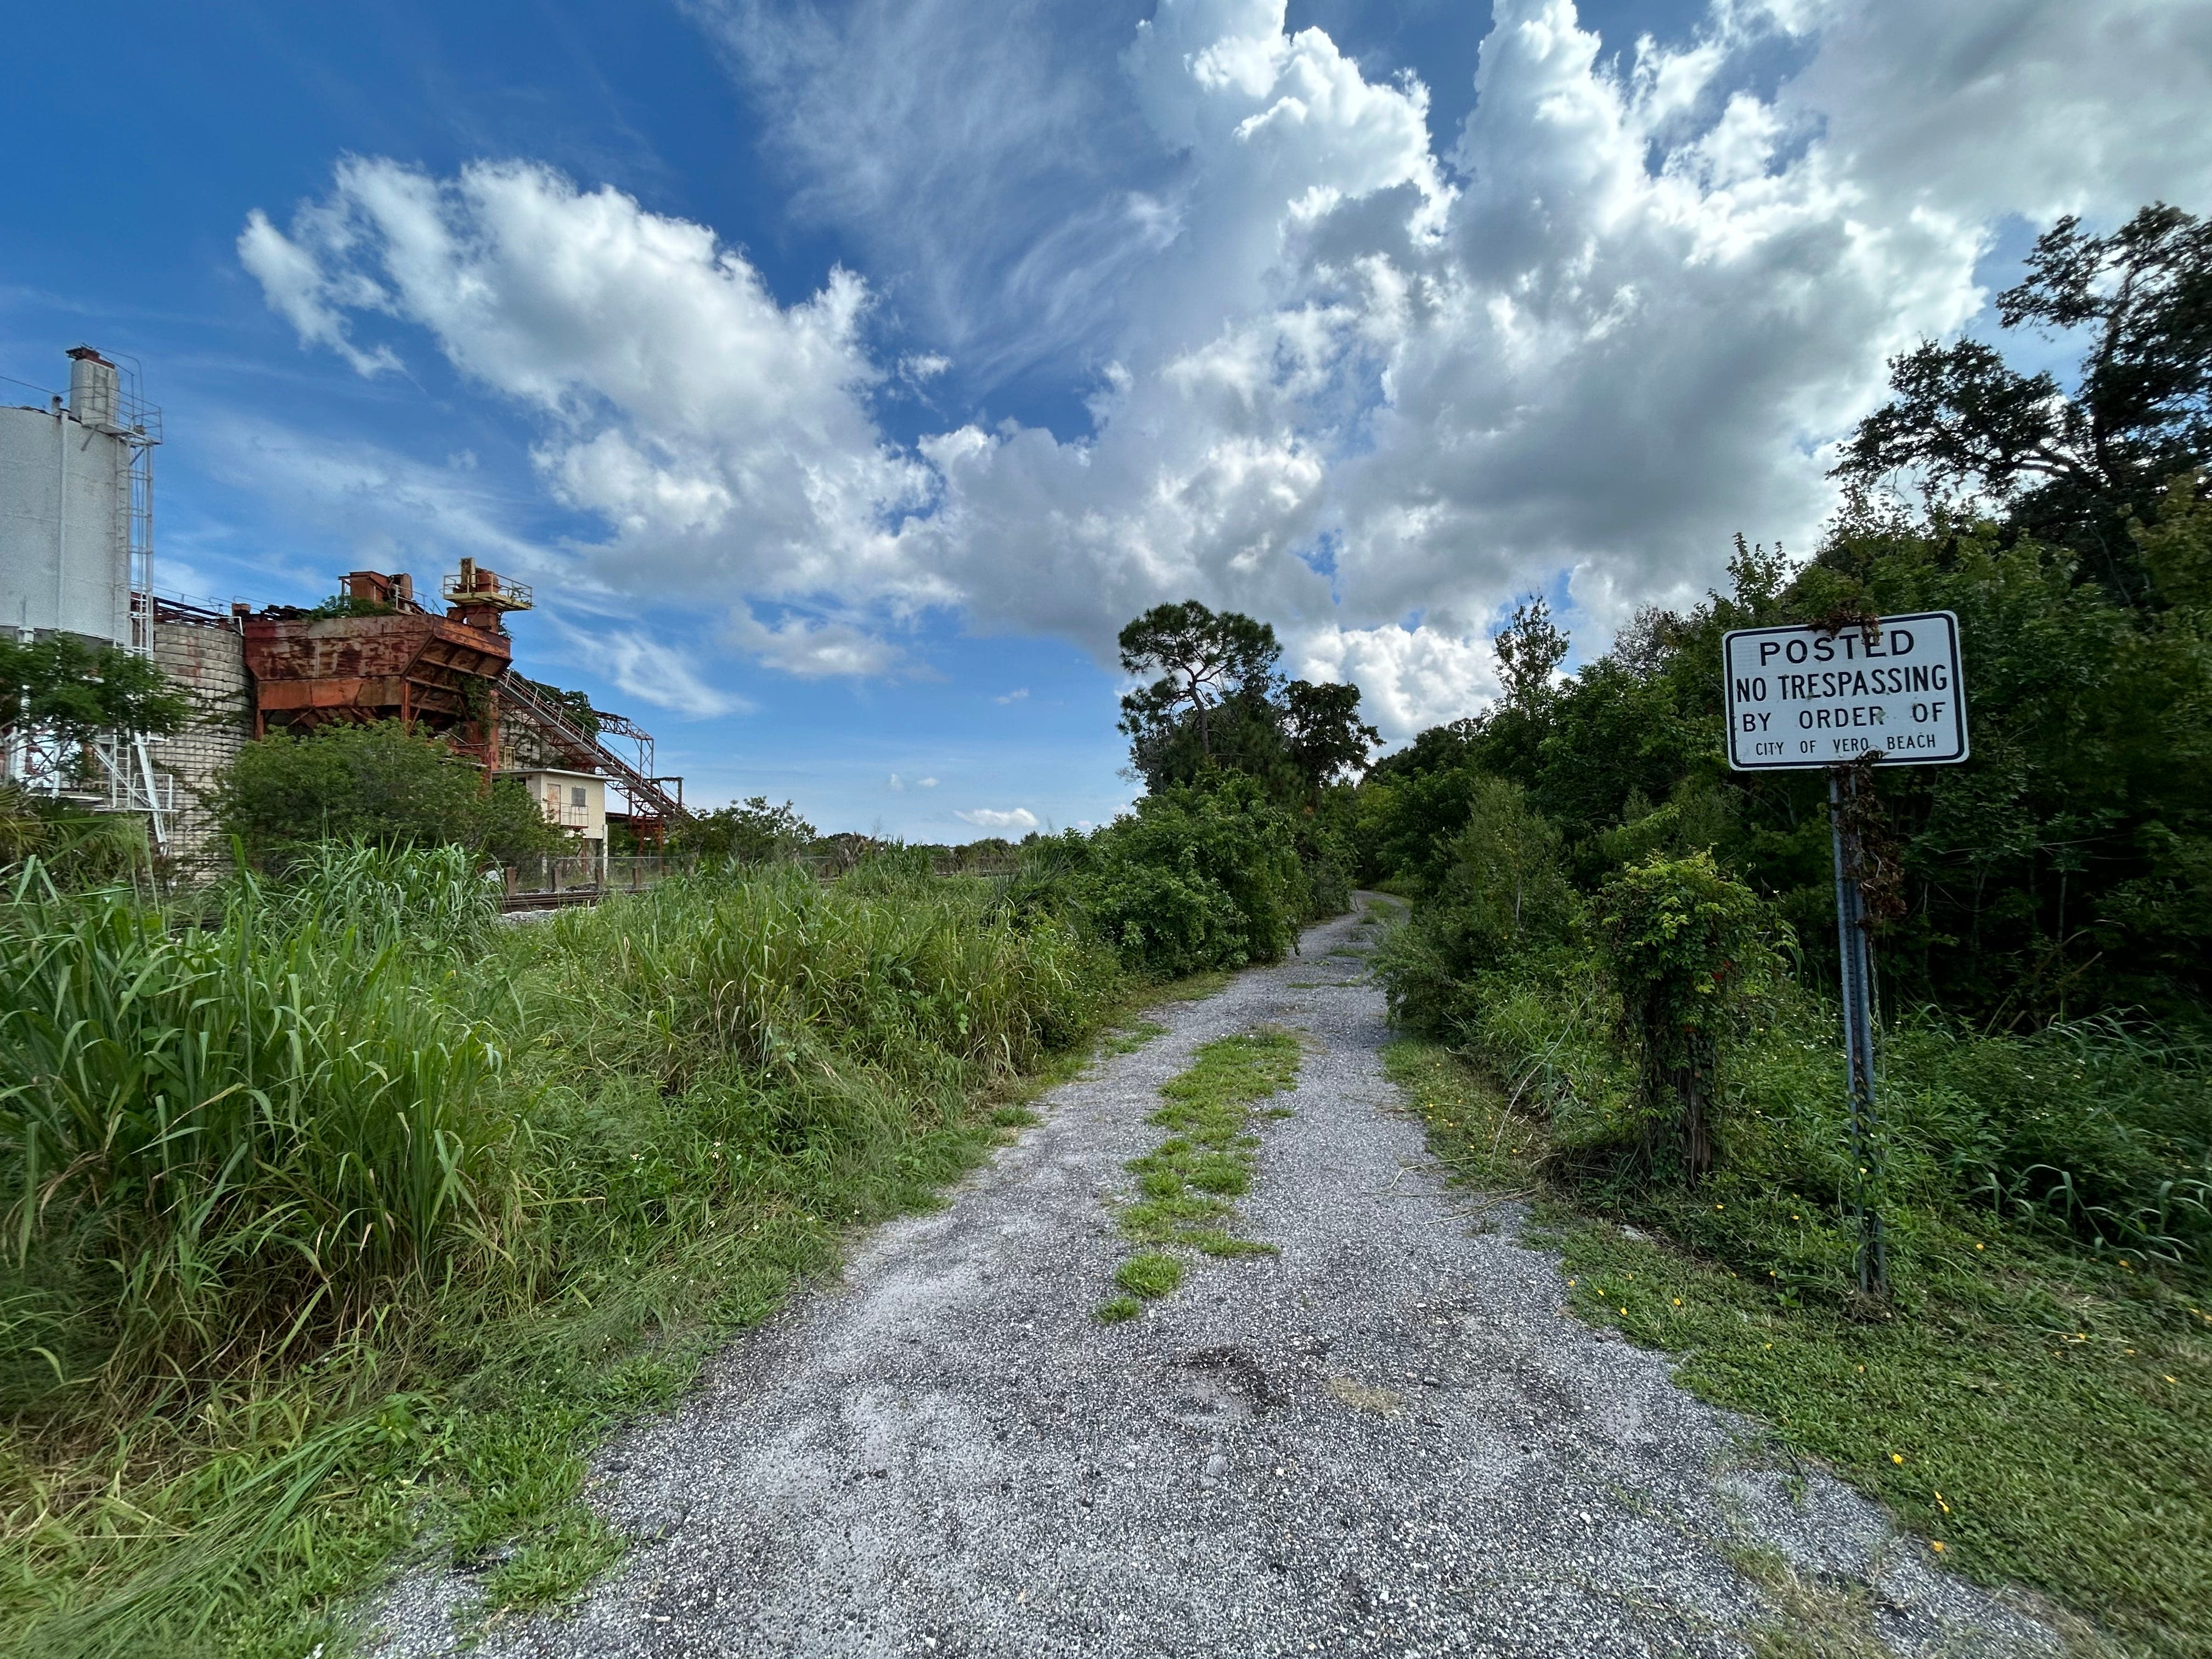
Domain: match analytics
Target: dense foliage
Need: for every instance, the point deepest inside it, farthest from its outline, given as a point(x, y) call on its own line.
point(1626, 931)
point(752, 832)
point(353, 1210)
point(74, 689)
point(1192, 878)
point(2067, 867)
point(384, 783)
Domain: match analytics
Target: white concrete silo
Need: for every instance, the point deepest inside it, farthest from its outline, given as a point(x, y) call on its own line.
point(76, 556)
point(73, 505)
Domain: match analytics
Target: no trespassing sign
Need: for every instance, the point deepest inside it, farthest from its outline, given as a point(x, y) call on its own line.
point(1800, 697)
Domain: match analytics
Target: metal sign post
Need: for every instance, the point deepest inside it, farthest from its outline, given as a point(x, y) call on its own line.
point(1844, 696)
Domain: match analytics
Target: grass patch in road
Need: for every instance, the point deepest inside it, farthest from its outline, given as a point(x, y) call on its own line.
point(1150, 1274)
point(1119, 1309)
point(1187, 1185)
point(1129, 1038)
point(2045, 1416)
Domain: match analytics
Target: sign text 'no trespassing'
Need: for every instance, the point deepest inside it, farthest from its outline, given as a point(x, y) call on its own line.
point(1797, 696)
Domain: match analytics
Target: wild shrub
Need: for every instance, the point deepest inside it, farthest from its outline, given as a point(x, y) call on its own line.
point(1196, 877)
point(1681, 944)
point(384, 783)
point(1499, 895)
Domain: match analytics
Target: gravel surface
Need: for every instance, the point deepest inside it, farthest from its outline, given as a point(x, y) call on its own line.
point(1390, 1438)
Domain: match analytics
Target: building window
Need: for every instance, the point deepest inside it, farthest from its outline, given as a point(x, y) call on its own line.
point(576, 795)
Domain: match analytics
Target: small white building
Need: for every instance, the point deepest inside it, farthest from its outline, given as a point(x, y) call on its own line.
point(577, 801)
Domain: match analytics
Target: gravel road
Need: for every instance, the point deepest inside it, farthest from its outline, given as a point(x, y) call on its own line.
point(1390, 1438)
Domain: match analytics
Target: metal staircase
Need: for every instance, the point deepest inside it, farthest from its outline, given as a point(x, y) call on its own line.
point(555, 724)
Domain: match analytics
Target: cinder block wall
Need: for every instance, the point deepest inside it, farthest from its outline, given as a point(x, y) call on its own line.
point(208, 659)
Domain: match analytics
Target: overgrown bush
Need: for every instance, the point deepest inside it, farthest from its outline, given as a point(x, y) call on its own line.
point(1500, 896)
point(1681, 943)
point(2092, 1131)
point(283, 796)
point(1195, 878)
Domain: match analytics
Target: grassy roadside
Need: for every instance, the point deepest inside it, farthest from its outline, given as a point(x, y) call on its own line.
point(1187, 1186)
point(704, 1091)
point(2040, 1417)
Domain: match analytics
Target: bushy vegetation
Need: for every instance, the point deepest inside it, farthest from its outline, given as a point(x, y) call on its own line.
point(344, 1215)
point(1242, 837)
point(750, 832)
point(383, 783)
point(1193, 878)
point(1634, 949)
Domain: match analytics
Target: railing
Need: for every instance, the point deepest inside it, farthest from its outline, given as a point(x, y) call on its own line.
point(587, 753)
point(556, 881)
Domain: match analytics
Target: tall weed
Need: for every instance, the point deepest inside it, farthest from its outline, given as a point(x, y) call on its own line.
point(218, 1143)
point(348, 1202)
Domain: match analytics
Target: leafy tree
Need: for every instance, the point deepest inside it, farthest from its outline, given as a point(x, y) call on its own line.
point(1530, 649)
point(2072, 467)
point(1203, 658)
point(1221, 707)
point(752, 833)
point(1323, 735)
point(384, 783)
point(76, 690)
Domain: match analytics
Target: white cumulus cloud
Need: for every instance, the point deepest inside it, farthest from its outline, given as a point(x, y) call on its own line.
point(1366, 385)
point(812, 648)
point(990, 817)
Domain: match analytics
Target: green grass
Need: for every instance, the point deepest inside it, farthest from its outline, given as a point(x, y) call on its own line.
point(491, 1192)
point(1187, 1186)
point(1118, 1309)
point(1127, 1039)
point(2042, 1412)
point(1150, 1274)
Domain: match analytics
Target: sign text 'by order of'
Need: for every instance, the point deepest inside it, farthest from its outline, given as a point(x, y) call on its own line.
point(1798, 696)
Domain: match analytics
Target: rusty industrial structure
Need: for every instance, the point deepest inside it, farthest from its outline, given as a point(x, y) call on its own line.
point(378, 653)
point(381, 654)
point(77, 557)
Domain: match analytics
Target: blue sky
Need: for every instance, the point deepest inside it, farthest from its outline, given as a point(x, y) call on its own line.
point(842, 375)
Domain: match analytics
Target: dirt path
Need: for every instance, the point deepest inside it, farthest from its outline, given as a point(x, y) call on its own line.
point(1390, 1438)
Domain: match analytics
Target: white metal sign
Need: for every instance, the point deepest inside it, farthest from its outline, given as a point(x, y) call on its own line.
point(1799, 697)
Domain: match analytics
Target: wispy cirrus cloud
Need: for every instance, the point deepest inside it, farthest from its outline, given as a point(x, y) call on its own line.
point(651, 669)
